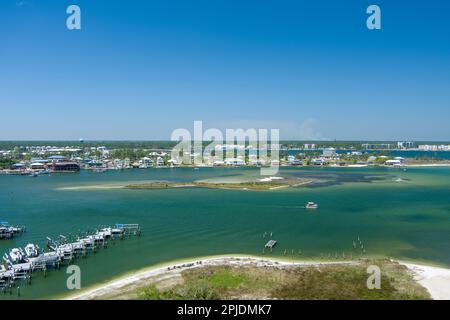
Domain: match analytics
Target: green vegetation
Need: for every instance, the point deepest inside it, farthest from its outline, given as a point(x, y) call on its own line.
point(318, 282)
point(6, 163)
point(200, 291)
point(256, 185)
point(127, 153)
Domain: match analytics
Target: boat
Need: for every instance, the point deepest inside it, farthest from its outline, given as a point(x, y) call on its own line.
point(106, 232)
point(16, 255)
point(117, 231)
point(16, 229)
point(65, 251)
point(6, 232)
point(311, 205)
point(88, 242)
point(31, 250)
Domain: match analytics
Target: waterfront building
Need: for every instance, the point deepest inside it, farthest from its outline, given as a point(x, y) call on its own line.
point(65, 167)
point(394, 162)
point(37, 166)
point(317, 162)
point(309, 146)
point(377, 146)
point(173, 162)
point(405, 145)
point(160, 162)
point(371, 160)
point(329, 152)
point(427, 147)
point(294, 161)
point(234, 162)
point(57, 158)
point(18, 166)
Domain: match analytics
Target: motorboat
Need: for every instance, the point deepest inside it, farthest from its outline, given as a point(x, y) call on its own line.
point(16, 255)
point(311, 205)
point(31, 250)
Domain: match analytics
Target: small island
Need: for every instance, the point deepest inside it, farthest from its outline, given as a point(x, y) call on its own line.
point(258, 185)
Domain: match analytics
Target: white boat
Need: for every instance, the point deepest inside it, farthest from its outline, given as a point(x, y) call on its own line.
point(105, 232)
point(99, 237)
point(117, 231)
point(77, 246)
point(46, 258)
point(16, 255)
point(31, 250)
point(311, 205)
point(87, 242)
point(65, 250)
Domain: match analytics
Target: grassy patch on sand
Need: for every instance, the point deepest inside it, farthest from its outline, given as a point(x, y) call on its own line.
point(249, 185)
point(241, 185)
point(315, 282)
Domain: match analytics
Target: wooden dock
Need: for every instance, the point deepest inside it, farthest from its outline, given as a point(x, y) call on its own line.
point(8, 232)
point(61, 250)
point(270, 244)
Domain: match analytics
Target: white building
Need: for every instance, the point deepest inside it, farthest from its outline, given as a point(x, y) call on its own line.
point(173, 162)
point(160, 162)
point(37, 166)
point(309, 146)
point(318, 161)
point(234, 162)
point(294, 161)
point(329, 152)
point(405, 145)
point(393, 162)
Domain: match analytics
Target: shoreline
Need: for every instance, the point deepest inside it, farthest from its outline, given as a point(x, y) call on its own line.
point(353, 166)
point(435, 279)
point(121, 281)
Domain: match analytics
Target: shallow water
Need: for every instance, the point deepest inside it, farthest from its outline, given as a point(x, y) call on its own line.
point(403, 214)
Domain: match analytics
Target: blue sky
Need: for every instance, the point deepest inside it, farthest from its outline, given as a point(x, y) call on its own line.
point(140, 69)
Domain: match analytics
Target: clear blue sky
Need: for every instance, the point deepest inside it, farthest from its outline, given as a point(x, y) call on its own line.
point(139, 69)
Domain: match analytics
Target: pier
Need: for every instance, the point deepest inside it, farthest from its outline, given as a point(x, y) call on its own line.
point(19, 264)
point(270, 244)
point(8, 232)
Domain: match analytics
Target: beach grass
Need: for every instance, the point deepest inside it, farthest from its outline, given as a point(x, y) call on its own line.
point(325, 282)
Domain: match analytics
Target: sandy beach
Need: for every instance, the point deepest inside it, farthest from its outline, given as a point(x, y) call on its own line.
point(435, 279)
point(171, 271)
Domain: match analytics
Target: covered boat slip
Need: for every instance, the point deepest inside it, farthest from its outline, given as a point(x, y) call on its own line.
point(8, 232)
point(21, 263)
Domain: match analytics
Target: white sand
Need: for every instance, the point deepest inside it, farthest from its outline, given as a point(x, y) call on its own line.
point(436, 280)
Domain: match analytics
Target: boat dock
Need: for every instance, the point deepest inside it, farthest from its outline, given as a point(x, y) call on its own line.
point(8, 232)
point(270, 244)
point(20, 264)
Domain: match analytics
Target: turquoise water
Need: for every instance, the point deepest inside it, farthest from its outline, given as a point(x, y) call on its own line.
point(403, 214)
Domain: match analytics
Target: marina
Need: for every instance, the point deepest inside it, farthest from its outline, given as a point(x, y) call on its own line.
point(20, 263)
